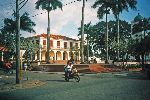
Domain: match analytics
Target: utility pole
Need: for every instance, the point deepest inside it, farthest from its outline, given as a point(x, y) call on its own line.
point(18, 38)
point(82, 33)
point(17, 43)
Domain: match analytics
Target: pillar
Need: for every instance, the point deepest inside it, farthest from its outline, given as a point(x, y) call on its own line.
point(61, 55)
point(55, 54)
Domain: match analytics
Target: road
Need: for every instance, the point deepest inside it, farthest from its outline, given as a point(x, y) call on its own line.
point(101, 86)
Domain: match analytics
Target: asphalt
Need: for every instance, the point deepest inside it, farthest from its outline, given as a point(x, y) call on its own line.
point(93, 86)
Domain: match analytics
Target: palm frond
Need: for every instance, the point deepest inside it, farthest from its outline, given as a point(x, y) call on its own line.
point(48, 4)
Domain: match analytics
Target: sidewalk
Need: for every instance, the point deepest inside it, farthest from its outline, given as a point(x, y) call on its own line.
point(8, 83)
point(30, 80)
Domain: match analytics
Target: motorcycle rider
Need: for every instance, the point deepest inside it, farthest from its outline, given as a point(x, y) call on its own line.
point(68, 68)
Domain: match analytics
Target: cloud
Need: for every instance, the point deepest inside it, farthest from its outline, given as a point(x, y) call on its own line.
point(71, 13)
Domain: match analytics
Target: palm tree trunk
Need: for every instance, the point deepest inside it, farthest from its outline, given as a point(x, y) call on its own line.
point(142, 56)
point(17, 43)
point(87, 48)
point(106, 38)
point(82, 34)
point(48, 39)
point(118, 36)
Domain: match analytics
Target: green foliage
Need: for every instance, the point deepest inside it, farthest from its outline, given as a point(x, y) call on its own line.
point(30, 46)
point(141, 25)
point(140, 44)
point(130, 66)
point(48, 4)
point(96, 38)
point(116, 6)
point(8, 32)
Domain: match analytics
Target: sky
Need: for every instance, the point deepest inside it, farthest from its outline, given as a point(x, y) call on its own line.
point(67, 21)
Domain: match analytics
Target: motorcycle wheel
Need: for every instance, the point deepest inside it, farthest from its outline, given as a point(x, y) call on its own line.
point(67, 79)
point(77, 78)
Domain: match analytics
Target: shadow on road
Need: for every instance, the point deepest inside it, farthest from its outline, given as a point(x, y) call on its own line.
point(56, 80)
point(132, 75)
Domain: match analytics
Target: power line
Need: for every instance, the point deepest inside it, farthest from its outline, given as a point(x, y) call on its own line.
point(63, 5)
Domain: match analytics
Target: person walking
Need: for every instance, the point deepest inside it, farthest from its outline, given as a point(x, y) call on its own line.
point(25, 67)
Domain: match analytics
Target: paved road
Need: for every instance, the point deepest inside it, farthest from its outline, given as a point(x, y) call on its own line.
point(106, 86)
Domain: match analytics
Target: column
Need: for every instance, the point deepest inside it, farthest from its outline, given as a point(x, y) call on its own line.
point(55, 54)
point(40, 55)
point(68, 58)
point(61, 55)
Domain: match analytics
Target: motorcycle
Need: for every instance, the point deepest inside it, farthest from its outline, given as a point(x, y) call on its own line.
point(73, 75)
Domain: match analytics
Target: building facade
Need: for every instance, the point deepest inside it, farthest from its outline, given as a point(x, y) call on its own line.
point(61, 47)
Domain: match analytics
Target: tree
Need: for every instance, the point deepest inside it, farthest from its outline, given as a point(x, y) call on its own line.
point(94, 38)
point(104, 8)
point(141, 36)
point(124, 37)
point(48, 5)
point(117, 7)
point(87, 31)
point(8, 32)
point(142, 25)
point(30, 46)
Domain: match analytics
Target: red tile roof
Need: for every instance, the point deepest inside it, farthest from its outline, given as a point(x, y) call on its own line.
point(55, 37)
point(3, 49)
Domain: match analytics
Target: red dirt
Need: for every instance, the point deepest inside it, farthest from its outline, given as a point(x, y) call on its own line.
point(100, 68)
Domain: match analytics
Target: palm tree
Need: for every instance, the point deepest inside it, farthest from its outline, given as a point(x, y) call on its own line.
point(104, 8)
point(117, 7)
point(48, 5)
point(9, 30)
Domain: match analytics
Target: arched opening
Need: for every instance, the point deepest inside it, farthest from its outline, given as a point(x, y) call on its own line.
point(65, 55)
point(52, 55)
point(58, 55)
point(71, 55)
point(43, 55)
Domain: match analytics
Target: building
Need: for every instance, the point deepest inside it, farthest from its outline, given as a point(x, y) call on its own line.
point(140, 34)
point(61, 47)
point(2, 50)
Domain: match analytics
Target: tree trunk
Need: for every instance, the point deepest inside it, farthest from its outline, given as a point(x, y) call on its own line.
point(142, 56)
point(118, 37)
point(48, 40)
point(82, 34)
point(106, 38)
point(87, 48)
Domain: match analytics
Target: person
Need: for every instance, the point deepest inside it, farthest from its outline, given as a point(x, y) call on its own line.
point(53, 60)
point(68, 68)
point(94, 61)
point(25, 67)
point(72, 60)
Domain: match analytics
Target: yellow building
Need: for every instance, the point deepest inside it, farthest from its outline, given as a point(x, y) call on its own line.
point(61, 47)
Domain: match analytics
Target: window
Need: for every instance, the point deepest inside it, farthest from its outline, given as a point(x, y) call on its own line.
point(71, 45)
point(51, 43)
point(58, 44)
point(65, 45)
point(44, 42)
point(76, 45)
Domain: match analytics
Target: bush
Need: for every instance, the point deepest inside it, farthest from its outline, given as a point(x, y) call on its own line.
point(133, 66)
